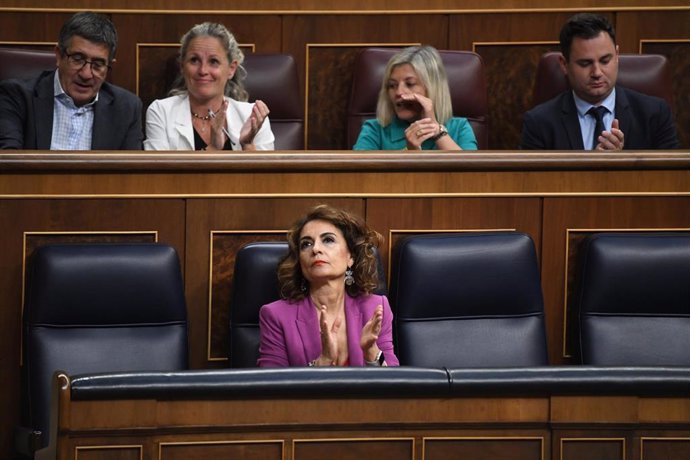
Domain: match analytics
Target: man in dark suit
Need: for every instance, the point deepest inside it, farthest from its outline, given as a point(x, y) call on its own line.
point(73, 107)
point(596, 114)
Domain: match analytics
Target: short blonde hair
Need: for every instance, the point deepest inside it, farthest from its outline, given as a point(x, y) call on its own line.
point(427, 63)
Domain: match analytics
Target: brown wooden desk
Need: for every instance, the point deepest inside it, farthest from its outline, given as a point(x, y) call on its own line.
point(207, 206)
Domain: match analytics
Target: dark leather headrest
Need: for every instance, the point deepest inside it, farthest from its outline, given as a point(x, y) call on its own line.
point(479, 274)
point(104, 284)
point(645, 73)
point(22, 63)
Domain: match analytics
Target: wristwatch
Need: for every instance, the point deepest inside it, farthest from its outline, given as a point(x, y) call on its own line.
point(442, 131)
point(378, 361)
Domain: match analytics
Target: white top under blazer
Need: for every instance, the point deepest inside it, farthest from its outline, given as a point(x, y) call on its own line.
point(169, 125)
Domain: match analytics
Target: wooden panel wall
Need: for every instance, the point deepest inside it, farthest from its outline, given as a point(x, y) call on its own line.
point(324, 40)
point(207, 206)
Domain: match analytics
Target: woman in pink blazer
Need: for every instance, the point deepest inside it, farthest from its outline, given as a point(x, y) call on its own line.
point(328, 315)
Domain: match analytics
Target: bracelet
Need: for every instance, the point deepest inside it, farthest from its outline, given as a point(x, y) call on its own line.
point(378, 361)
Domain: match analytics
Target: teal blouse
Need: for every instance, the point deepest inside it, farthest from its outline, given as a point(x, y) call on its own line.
point(375, 137)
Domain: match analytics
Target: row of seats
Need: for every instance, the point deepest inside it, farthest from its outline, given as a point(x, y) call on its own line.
point(464, 300)
point(273, 79)
point(475, 300)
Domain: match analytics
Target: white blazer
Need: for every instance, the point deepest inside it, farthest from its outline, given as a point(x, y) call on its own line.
point(169, 125)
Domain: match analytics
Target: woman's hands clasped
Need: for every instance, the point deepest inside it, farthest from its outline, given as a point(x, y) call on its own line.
point(329, 337)
point(419, 131)
point(424, 128)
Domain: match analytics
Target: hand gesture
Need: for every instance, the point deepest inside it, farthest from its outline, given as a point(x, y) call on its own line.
point(426, 105)
point(611, 140)
point(329, 339)
point(218, 136)
point(419, 131)
point(370, 334)
point(253, 124)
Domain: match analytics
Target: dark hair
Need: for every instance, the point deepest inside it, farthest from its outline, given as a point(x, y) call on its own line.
point(361, 242)
point(234, 87)
point(93, 27)
point(584, 25)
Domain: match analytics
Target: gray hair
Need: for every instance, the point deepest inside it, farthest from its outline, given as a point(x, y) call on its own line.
point(93, 27)
point(234, 87)
point(428, 65)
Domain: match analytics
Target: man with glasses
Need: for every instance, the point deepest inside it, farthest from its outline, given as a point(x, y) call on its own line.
point(73, 107)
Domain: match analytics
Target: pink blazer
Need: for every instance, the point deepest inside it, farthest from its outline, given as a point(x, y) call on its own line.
point(289, 332)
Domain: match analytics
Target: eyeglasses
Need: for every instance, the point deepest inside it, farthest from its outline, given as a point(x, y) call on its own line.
point(77, 61)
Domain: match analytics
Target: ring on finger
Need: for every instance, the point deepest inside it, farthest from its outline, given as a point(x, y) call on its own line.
point(419, 132)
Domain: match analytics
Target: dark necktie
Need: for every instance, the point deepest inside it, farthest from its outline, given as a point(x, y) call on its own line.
point(598, 114)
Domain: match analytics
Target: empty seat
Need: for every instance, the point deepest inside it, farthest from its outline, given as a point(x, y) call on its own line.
point(98, 308)
point(468, 300)
point(633, 299)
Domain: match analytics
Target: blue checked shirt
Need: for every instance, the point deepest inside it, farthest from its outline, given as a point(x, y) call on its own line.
point(72, 125)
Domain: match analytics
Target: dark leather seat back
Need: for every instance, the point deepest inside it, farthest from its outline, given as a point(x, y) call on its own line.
point(255, 283)
point(100, 308)
point(23, 63)
point(633, 299)
point(272, 78)
point(645, 73)
point(468, 300)
point(465, 71)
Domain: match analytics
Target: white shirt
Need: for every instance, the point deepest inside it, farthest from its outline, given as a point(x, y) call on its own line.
point(169, 125)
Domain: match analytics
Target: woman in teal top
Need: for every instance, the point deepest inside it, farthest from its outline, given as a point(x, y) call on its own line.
point(414, 110)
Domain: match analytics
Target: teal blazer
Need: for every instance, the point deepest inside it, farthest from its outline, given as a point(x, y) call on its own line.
point(392, 137)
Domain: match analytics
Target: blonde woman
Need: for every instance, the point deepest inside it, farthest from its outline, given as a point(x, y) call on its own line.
point(414, 110)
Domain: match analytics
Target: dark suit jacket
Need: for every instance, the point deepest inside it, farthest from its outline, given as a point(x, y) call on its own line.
point(26, 116)
point(646, 122)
